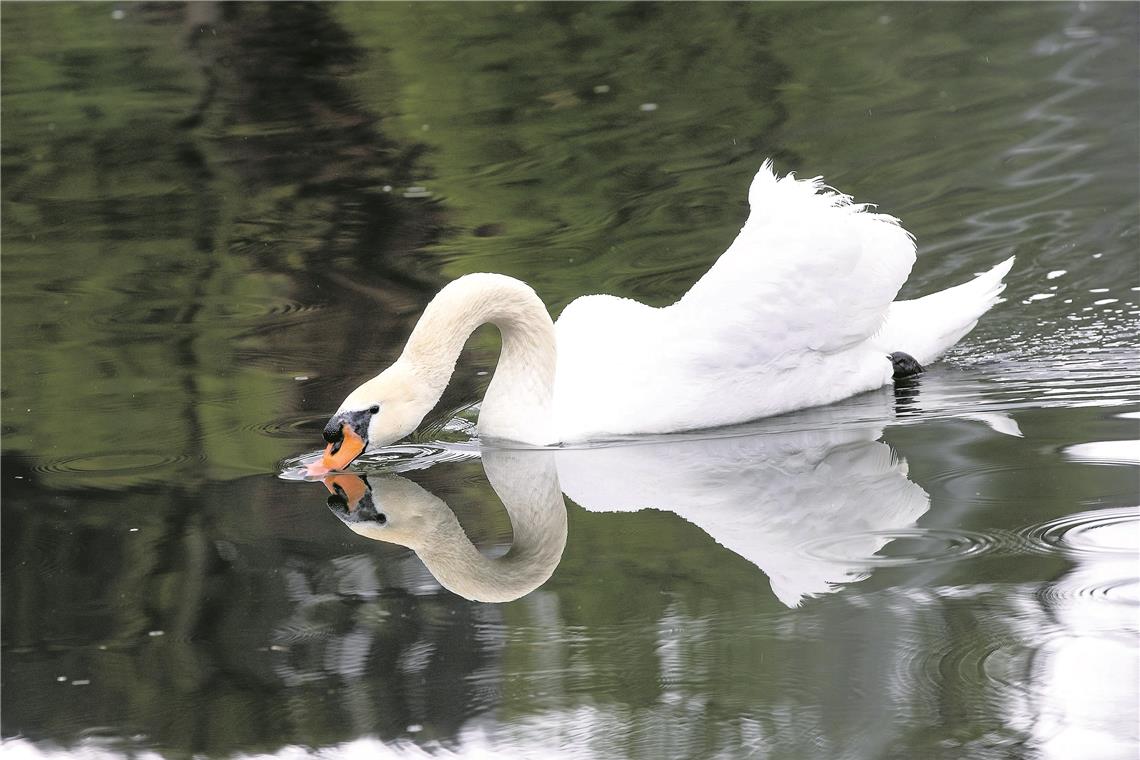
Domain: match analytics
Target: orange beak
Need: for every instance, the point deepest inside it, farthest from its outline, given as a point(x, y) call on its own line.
point(338, 458)
point(352, 487)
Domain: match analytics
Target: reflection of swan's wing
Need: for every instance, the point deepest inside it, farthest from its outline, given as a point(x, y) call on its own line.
point(693, 474)
point(761, 496)
point(809, 270)
point(858, 488)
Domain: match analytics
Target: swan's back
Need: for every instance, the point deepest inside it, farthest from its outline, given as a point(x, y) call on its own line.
point(780, 322)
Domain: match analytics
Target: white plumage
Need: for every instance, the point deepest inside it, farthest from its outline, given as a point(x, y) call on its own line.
point(798, 312)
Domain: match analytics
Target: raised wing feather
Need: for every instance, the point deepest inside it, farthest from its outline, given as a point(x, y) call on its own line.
point(809, 271)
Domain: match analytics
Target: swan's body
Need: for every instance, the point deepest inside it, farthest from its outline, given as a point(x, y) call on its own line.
point(798, 312)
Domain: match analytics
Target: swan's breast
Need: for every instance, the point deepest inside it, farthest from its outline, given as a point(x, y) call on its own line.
point(614, 360)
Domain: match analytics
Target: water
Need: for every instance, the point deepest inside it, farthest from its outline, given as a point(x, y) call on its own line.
point(217, 219)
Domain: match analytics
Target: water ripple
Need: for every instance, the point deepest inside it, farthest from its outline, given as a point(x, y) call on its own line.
point(291, 426)
point(129, 464)
point(1122, 589)
point(904, 546)
point(154, 314)
point(1104, 533)
point(400, 458)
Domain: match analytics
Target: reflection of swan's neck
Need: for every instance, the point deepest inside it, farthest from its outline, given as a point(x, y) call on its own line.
point(528, 488)
point(519, 399)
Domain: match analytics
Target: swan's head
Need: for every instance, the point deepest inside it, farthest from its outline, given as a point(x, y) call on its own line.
point(381, 411)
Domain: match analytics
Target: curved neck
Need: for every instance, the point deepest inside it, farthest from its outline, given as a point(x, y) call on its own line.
point(526, 483)
point(519, 400)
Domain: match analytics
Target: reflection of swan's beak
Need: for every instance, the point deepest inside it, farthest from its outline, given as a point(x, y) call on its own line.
point(338, 455)
point(346, 491)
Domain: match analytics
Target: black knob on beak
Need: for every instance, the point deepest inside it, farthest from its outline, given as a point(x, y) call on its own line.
point(338, 500)
point(332, 432)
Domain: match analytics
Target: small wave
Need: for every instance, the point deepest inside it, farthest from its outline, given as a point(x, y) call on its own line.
point(1103, 533)
point(1124, 589)
point(291, 426)
point(150, 313)
point(906, 546)
point(111, 466)
point(390, 459)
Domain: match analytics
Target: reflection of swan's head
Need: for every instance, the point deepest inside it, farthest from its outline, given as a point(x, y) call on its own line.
point(381, 411)
point(396, 510)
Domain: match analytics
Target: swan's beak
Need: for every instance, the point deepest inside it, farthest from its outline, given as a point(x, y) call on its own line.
point(347, 490)
point(338, 455)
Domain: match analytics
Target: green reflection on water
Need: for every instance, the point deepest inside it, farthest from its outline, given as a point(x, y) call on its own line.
point(202, 204)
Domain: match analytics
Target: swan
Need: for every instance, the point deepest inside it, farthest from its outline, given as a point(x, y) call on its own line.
point(798, 312)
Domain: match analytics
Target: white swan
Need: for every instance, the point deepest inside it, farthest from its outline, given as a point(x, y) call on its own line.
point(796, 313)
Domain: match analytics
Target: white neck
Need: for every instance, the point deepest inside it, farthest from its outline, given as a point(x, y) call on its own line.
point(519, 401)
point(527, 484)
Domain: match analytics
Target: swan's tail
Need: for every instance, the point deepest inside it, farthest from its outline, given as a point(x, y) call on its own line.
point(926, 327)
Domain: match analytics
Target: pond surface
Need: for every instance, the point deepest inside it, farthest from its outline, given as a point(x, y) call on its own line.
point(218, 219)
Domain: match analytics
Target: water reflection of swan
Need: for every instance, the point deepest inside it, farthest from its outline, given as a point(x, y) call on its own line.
point(762, 494)
point(798, 312)
point(396, 510)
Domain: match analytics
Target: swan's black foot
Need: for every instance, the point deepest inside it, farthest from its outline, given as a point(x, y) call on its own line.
point(904, 365)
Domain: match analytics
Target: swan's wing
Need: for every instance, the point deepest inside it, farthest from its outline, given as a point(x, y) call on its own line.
point(810, 270)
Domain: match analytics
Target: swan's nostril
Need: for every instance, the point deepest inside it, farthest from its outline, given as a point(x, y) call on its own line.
point(332, 432)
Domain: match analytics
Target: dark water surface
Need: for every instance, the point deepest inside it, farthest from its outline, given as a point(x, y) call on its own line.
point(217, 219)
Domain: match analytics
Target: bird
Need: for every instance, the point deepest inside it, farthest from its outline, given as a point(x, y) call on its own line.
point(798, 312)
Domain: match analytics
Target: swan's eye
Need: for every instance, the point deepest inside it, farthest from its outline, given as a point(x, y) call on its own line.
point(381, 518)
point(373, 409)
